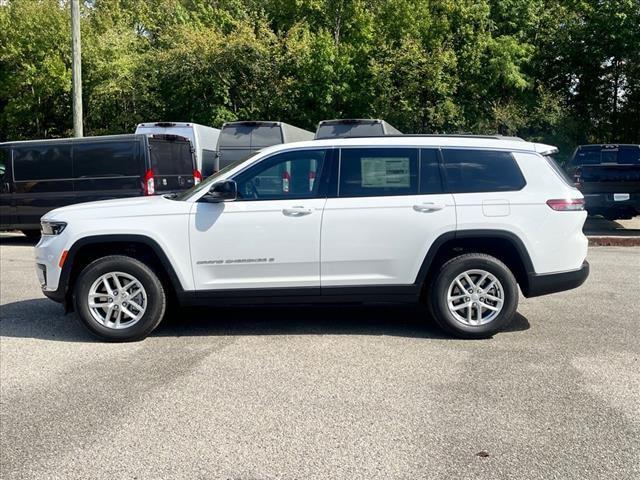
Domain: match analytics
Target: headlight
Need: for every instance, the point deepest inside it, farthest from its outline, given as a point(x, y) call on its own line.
point(52, 228)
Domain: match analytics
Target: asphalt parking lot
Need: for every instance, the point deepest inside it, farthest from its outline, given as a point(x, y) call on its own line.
point(353, 393)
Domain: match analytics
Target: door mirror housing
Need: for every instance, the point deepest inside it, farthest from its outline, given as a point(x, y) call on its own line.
point(224, 191)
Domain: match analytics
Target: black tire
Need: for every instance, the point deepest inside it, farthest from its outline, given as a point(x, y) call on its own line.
point(437, 295)
point(156, 298)
point(32, 235)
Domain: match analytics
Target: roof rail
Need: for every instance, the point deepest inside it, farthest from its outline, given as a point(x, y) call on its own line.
point(446, 135)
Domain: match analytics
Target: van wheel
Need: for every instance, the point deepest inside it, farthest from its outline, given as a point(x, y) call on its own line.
point(473, 296)
point(119, 299)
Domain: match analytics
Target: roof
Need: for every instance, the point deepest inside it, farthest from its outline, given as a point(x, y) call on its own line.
point(126, 136)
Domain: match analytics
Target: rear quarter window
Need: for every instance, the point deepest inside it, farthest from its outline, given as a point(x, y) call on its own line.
point(470, 171)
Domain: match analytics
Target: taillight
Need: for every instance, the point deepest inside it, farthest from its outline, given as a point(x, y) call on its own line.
point(567, 205)
point(148, 184)
point(197, 177)
point(577, 180)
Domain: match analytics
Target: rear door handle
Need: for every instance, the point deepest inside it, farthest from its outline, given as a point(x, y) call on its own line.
point(428, 207)
point(296, 211)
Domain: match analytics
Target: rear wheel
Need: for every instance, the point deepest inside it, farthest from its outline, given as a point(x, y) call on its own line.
point(473, 296)
point(119, 298)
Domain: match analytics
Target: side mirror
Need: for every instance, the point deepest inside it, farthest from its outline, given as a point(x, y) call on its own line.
point(224, 191)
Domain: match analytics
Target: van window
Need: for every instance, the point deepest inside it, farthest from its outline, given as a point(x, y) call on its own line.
point(42, 162)
point(106, 159)
point(4, 161)
point(470, 171)
point(171, 157)
point(430, 178)
point(208, 162)
point(370, 172)
point(288, 175)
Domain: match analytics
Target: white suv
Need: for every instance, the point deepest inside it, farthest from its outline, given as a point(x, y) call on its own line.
point(454, 222)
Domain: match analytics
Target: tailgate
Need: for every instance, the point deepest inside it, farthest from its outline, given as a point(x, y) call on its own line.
point(610, 178)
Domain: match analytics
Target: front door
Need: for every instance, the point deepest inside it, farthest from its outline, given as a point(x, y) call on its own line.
point(270, 236)
point(390, 207)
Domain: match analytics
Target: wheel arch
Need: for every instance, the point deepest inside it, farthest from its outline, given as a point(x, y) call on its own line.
point(141, 247)
point(502, 244)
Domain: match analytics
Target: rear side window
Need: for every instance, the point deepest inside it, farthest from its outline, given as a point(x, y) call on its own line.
point(42, 162)
point(469, 171)
point(106, 159)
point(171, 157)
point(369, 172)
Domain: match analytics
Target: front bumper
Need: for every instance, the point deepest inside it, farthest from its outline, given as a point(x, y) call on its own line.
point(555, 282)
point(47, 254)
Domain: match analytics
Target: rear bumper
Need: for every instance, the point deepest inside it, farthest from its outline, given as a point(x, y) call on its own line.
point(555, 282)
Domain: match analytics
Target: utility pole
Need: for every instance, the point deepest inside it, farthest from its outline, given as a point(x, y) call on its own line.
point(76, 68)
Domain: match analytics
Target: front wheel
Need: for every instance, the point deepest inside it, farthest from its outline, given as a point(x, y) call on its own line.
point(473, 296)
point(119, 298)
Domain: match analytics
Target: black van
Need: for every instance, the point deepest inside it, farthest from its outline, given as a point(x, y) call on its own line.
point(40, 175)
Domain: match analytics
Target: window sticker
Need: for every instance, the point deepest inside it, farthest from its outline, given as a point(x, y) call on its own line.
point(389, 172)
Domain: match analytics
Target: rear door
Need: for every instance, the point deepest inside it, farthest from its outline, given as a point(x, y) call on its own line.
point(43, 176)
point(172, 163)
point(389, 209)
point(107, 169)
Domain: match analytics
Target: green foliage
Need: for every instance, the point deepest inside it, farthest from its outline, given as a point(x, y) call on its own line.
point(558, 71)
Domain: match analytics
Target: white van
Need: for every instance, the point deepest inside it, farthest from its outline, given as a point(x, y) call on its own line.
point(203, 139)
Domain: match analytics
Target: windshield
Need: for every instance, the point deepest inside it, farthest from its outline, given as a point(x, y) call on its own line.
point(206, 184)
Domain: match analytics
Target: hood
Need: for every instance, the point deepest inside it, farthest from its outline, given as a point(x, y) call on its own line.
point(123, 207)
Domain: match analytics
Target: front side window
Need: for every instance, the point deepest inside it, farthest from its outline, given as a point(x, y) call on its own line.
point(373, 172)
point(105, 159)
point(288, 175)
point(42, 162)
point(469, 171)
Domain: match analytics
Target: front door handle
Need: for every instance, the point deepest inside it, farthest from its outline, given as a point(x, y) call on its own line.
point(428, 207)
point(297, 211)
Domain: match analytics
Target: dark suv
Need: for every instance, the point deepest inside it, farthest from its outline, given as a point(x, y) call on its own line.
point(40, 175)
point(609, 178)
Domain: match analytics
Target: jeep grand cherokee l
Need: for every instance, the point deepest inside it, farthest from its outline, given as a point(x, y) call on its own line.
point(456, 223)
